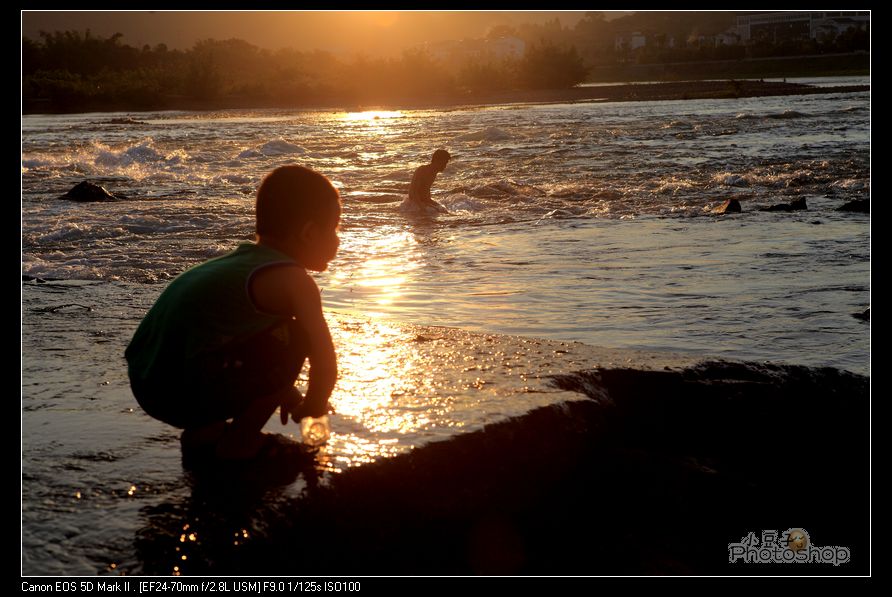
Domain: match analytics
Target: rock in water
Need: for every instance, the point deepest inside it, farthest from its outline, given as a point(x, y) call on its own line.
point(862, 316)
point(797, 204)
point(731, 206)
point(861, 206)
point(89, 192)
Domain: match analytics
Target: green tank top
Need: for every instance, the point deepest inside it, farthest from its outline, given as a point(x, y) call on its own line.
point(203, 309)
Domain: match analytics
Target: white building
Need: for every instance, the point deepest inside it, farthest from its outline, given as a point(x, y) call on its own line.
point(630, 41)
point(727, 38)
point(775, 26)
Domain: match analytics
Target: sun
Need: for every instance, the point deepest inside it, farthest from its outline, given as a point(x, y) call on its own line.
point(384, 18)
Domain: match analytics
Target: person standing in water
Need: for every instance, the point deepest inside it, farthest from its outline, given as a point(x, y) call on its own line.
point(423, 179)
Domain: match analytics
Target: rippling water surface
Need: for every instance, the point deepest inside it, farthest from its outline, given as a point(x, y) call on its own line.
point(585, 222)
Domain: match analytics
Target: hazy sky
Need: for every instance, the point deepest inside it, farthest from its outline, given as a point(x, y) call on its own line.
point(381, 32)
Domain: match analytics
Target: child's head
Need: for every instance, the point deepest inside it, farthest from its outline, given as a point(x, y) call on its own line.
point(299, 210)
point(440, 159)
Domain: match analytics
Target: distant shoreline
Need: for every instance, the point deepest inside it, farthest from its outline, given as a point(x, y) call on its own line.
point(629, 92)
point(681, 90)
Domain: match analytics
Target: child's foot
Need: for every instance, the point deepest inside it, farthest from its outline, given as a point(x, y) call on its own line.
point(230, 447)
point(266, 446)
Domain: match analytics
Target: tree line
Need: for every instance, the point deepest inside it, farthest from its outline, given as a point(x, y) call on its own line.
point(74, 71)
point(70, 71)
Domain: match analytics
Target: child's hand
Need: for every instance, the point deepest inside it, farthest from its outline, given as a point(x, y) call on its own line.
point(307, 410)
point(290, 405)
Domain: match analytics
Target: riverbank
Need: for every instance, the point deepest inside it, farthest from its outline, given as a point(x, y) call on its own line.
point(678, 90)
point(834, 65)
point(681, 90)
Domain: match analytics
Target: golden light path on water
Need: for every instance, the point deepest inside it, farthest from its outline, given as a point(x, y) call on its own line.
point(388, 258)
point(386, 392)
point(371, 123)
point(400, 386)
point(385, 388)
point(372, 115)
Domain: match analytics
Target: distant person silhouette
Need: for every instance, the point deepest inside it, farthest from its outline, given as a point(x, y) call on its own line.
point(423, 179)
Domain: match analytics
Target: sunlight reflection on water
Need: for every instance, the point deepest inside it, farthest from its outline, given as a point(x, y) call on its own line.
point(387, 259)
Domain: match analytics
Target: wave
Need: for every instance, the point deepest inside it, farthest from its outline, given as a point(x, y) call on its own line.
point(410, 208)
point(785, 115)
point(677, 124)
point(796, 178)
point(729, 179)
point(138, 160)
point(72, 231)
point(143, 152)
point(233, 178)
point(849, 184)
point(774, 116)
point(490, 133)
point(273, 148)
point(502, 189)
point(674, 186)
point(369, 197)
point(463, 202)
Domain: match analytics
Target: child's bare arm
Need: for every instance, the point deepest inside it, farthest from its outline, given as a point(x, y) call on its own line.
point(291, 291)
point(307, 309)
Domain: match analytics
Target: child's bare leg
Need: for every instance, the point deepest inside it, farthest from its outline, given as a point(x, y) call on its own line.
point(242, 438)
point(206, 435)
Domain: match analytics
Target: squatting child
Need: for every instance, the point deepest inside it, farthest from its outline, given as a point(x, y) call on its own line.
point(223, 345)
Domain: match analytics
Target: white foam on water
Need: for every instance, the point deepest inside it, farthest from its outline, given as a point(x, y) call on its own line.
point(675, 186)
point(233, 178)
point(274, 147)
point(730, 179)
point(140, 153)
point(137, 160)
point(849, 184)
point(411, 208)
point(460, 202)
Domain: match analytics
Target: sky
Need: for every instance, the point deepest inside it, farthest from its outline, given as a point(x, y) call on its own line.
point(371, 32)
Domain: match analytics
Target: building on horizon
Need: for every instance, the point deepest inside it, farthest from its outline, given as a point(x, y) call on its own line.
point(781, 26)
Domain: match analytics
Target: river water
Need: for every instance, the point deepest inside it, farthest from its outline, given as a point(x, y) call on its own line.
point(567, 223)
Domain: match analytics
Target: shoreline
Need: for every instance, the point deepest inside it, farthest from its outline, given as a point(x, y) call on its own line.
point(627, 92)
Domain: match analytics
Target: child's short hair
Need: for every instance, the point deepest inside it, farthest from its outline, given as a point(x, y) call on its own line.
point(289, 196)
point(441, 155)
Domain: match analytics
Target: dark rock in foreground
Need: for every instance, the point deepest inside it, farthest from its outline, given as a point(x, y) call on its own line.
point(797, 204)
point(655, 474)
point(89, 192)
point(865, 316)
point(861, 206)
point(730, 206)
